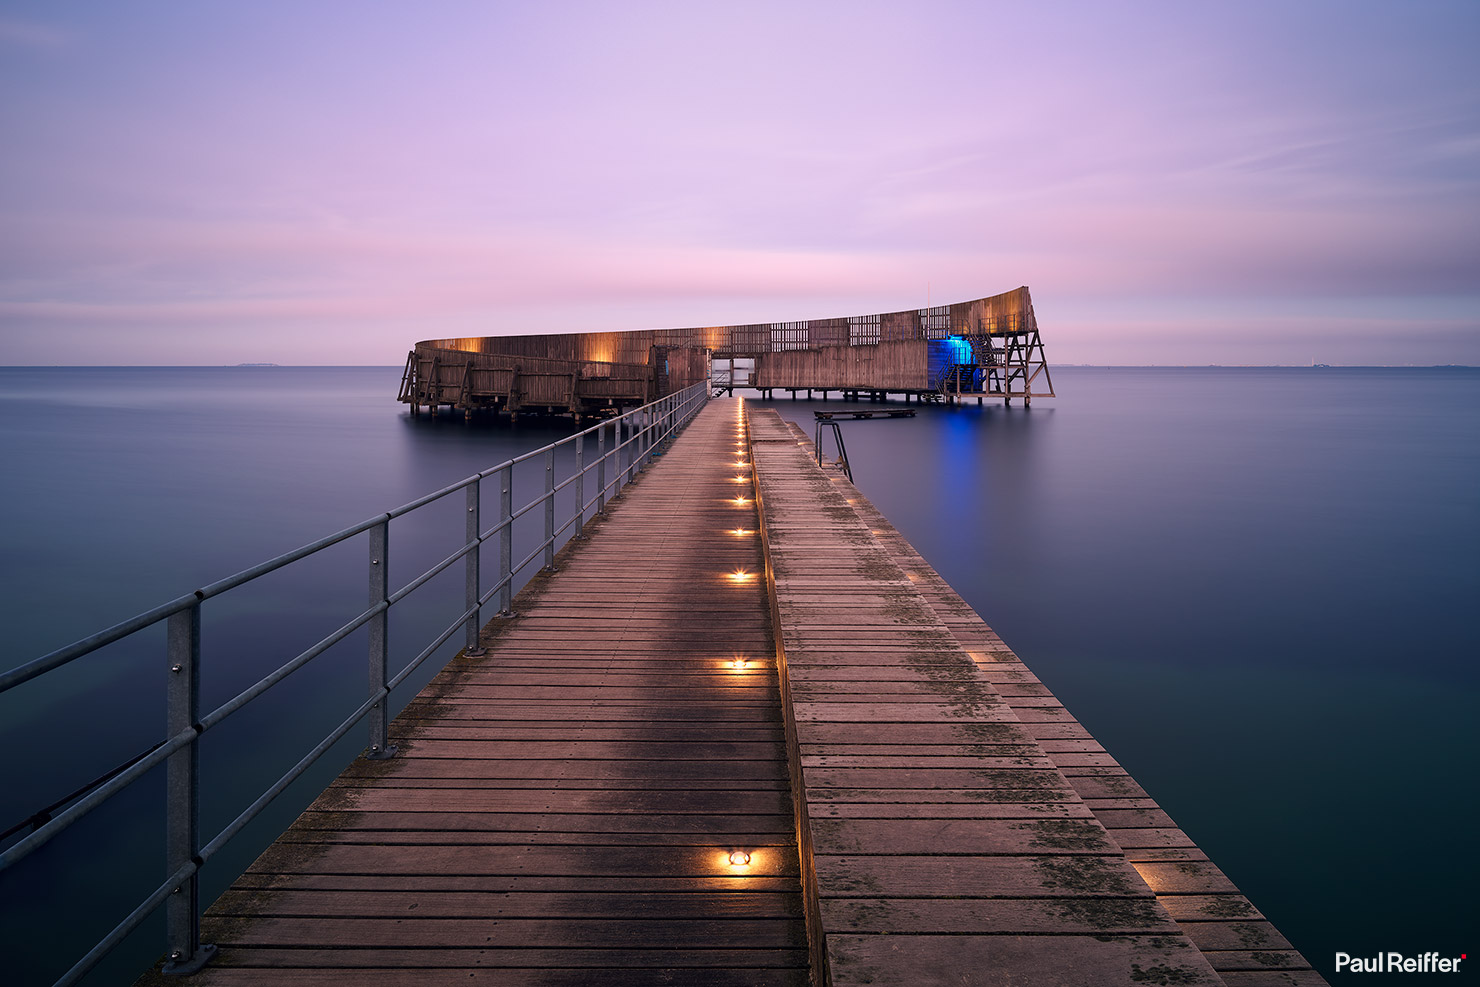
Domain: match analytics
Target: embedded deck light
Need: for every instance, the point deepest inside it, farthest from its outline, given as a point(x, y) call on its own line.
point(739, 576)
point(739, 858)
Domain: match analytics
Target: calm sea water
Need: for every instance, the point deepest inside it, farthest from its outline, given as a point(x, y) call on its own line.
point(126, 488)
point(1254, 586)
point(1257, 588)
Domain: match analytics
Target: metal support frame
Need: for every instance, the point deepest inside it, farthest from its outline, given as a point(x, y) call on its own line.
point(182, 795)
point(549, 510)
point(472, 578)
point(580, 479)
point(624, 426)
point(380, 745)
point(601, 467)
point(506, 541)
point(837, 434)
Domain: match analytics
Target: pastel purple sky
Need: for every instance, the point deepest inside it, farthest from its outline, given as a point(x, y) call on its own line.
point(329, 182)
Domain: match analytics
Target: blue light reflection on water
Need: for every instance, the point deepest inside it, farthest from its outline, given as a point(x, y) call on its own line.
point(1255, 587)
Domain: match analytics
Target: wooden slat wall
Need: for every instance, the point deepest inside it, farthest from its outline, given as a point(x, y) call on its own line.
point(900, 366)
point(882, 368)
point(513, 380)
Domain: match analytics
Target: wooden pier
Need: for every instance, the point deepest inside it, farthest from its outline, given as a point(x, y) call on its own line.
point(742, 735)
point(961, 826)
point(563, 810)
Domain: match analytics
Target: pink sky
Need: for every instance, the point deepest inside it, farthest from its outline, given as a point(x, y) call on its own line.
point(1177, 183)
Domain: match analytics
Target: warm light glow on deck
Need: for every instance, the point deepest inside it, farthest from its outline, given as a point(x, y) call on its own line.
point(740, 576)
point(748, 864)
point(1149, 878)
point(740, 501)
point(741, 532)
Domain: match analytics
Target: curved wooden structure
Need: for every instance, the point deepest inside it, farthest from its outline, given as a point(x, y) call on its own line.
point(985, 347)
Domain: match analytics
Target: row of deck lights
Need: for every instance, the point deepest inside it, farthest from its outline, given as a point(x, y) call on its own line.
point(740, 859)
point(740, 575)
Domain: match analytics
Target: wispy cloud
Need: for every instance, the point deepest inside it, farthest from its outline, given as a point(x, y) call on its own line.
point(208, 169)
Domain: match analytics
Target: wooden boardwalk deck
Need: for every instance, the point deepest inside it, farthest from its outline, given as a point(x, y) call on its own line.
point(964, 828)
point(562, 810)
point(1241, 944)
point(701, 677)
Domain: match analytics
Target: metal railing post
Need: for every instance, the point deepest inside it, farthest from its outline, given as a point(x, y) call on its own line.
point(472, 579)
point(624, 473)
point(580, 485)
point(601, 467)
point(506, 540)
point(550, 509)
point(380, 745)
point(644, 434)
point(182, 794)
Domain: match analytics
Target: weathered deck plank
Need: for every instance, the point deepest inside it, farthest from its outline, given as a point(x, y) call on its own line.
point(562, 810)
point(1239, 944)
point(946, 844)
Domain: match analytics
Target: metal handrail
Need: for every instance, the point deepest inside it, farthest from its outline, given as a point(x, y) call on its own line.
point(646, 428)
